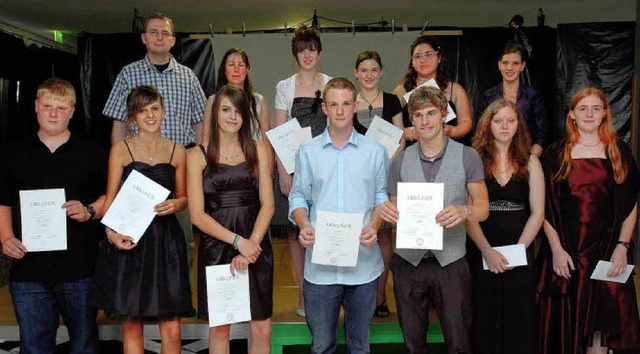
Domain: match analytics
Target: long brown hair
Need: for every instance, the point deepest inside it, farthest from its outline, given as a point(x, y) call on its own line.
point(519, 148)
point(248, 88)
point(606, 133)
point(239, 99)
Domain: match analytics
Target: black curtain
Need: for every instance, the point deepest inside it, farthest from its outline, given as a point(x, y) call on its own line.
point(23, 68)
point(600, 55)
point(102, 56)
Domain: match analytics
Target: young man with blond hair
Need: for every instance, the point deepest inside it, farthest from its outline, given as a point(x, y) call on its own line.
point(47, 285)
point(340, 171)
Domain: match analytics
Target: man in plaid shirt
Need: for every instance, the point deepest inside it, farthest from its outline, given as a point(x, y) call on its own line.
point(180, 88)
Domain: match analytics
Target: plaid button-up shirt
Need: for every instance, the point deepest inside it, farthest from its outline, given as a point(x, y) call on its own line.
point(180, 89)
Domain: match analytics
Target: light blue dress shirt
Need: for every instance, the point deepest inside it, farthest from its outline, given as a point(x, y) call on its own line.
point(351, 179)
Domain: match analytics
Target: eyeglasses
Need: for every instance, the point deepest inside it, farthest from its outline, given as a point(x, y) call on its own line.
point(156, 34)
point(427, 55)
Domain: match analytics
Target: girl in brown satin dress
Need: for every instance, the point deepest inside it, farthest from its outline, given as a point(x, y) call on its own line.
point(231, 201)
point(592, 191)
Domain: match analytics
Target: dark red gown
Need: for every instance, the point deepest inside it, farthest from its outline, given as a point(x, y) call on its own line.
point(587, 209)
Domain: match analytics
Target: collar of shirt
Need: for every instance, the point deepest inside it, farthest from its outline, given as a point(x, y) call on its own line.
point(326, 139)
point(149, 65)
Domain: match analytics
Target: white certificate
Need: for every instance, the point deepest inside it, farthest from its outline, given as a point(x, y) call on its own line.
point(286, 140)
point(386, 134)
point(44, 222)
point(515, 255)
point(418, 204)
point(337, 239)
point(133, 208)
point(600, 273)
point(432, 83)
point(228, 298)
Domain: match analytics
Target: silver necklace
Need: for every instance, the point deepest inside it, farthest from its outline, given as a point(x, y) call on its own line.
point(372, 101)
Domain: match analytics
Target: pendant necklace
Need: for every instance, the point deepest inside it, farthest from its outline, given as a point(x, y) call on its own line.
point(372, 101)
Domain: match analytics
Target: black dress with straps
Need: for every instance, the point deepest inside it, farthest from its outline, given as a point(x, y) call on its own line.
point(152, 279)
point(231, 198)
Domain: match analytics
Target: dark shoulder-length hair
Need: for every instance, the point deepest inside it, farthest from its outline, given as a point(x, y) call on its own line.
point(140, 97)
point(606, 132)
point(248, 88)
point(442, 73)
point(238, 98)
point(519, 148)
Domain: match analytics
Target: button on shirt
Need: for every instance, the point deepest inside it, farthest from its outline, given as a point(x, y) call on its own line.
point(180, 89)
point(351, 179)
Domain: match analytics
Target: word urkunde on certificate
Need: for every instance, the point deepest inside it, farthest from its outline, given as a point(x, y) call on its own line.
point(337, 239)
point(228, 299)
point(286, 140)
point(133, 210)
point(44, 222)
point(418, 204)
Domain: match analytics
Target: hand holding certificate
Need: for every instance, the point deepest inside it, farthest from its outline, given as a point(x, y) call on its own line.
point(418, 204)
point(600, 273)
point(228, 298)
point(133, 208)
point(515, 254)
point(44, 221)
point(432, 83)
point(386, 134)
point(286, 140)
point(337, 239)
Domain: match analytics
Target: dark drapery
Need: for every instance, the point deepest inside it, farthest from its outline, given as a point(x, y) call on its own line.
point(600, 55)
point(23, 67)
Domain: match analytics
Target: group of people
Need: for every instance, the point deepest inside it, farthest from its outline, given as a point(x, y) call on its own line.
point(215, 158)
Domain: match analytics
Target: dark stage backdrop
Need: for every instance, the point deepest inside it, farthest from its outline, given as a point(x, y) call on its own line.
point(22, 68)
point(103, 56)
point(600, 55)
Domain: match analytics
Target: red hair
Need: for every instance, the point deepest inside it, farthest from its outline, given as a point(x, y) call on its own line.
point(606, 133)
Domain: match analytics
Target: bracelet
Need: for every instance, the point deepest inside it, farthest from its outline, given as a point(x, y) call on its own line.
point(467, 209)
point(625, 244)
point(109, 234)
point(235, 241)
point(257, 237)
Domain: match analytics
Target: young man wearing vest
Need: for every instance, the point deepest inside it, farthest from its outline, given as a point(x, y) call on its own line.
point(440, 278)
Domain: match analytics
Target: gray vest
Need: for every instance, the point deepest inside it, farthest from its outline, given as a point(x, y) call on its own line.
point(452, 174)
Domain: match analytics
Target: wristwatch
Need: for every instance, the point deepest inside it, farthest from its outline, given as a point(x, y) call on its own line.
point(91, 210)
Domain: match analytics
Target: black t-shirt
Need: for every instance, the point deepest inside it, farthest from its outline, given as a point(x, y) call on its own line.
point(80, 167)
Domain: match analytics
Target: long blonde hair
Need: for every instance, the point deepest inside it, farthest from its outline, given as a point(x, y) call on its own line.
point(606, 133)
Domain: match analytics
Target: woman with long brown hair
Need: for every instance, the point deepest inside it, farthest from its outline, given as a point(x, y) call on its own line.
point(592, 190)
point(231, 202)
point(503, 296)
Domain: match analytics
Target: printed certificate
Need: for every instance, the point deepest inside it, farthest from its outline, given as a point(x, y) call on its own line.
point(43, 220)
point(228, 298)
point(286, 140)
point(133, 208)
point(386, 134)
point(337, 239)
point(418, 204)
